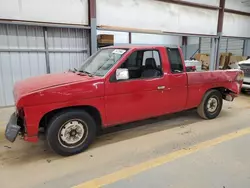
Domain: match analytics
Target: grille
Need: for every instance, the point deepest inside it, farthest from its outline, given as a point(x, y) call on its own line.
point(246, 69)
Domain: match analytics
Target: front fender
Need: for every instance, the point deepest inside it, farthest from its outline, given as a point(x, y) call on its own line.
point(34, 114)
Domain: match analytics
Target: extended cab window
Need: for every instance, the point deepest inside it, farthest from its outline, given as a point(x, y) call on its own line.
point(143, 64)
point(175, 60)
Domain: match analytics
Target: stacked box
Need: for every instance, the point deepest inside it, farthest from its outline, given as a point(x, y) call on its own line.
point(204, 59)
point(224, 60)
point(105, 39)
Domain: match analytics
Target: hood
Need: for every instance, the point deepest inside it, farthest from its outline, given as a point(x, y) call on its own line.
point(38, 83)
point(237, 64)
point(244, 62)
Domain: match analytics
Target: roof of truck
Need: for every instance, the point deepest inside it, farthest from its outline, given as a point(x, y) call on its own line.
point(141, 46)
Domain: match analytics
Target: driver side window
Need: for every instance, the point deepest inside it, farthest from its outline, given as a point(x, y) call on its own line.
point(143, 64)
point(131, 62)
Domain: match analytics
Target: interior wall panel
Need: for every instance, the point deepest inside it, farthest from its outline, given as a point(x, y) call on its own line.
point(206, 2)
point(242, 5)
point(247, 48)
point(148, 14)
point(236, 25)
point(235, 46)
point(193, 40)
point(55, 11)
point(205, 46)
point(192, 47)
point(191, 50)
point(20, 57)
point(22, 54)
point(232, 45)
point(224, 45)
point(65, 41)
point(139, 38)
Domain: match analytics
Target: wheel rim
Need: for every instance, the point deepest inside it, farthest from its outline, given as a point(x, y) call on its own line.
point(212, 104)
point(73, 133)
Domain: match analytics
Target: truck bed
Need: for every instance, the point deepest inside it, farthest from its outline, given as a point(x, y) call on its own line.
point(202, 81)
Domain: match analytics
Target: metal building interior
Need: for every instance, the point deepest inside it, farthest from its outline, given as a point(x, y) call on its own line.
point(185, 149)
point(36, 39)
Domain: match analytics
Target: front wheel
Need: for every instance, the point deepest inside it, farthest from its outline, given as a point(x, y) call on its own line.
point(71, 132)
point(211, 105)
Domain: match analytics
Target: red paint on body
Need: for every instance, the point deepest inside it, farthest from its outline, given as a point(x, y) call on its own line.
point(118, 102)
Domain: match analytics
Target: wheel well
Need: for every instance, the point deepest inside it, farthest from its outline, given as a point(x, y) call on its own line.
point(89, 109)
point(222, 90)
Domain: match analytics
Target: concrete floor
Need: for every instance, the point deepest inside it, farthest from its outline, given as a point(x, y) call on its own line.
point(225, 164)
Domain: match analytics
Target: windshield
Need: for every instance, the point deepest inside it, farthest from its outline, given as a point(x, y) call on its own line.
point(101, 62)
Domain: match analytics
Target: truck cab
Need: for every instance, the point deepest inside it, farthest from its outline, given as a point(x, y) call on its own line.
point(116, 85)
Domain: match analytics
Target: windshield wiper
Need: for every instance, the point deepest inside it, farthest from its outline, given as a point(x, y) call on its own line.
point(81, 71)
point(75, 70)
point(85, 72)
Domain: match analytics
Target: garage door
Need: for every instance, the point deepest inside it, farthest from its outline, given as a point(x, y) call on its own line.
point(23, 54)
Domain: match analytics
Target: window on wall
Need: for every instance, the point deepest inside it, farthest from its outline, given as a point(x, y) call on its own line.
point(175, 61)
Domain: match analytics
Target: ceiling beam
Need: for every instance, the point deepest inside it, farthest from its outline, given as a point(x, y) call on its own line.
point(191, 4)
point(237, 12)
point(205, 6)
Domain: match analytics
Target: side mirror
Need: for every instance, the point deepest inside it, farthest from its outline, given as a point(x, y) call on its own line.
point(122, 74)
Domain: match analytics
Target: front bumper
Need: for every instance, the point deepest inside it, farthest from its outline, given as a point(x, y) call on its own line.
point(246, 85)
point(12, 129)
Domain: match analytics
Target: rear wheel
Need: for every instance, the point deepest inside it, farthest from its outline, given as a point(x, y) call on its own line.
point(71, 132)
point(211, 105)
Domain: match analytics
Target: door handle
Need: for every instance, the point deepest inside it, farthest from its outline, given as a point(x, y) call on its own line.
point(161, 87)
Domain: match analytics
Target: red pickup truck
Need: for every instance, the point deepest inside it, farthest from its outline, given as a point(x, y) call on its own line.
point(115, 85)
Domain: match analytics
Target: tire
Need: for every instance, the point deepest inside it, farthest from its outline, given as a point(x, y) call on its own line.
point(70, 132)
point(212, 98)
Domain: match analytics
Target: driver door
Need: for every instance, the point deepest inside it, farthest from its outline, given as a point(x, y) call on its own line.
point(135, 98)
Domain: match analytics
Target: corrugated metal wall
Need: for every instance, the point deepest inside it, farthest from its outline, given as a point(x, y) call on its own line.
point(23, 53)
point(223, 45)
point(68, 48)
point(233, 45)
point(20, 57)
point(205, 46)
